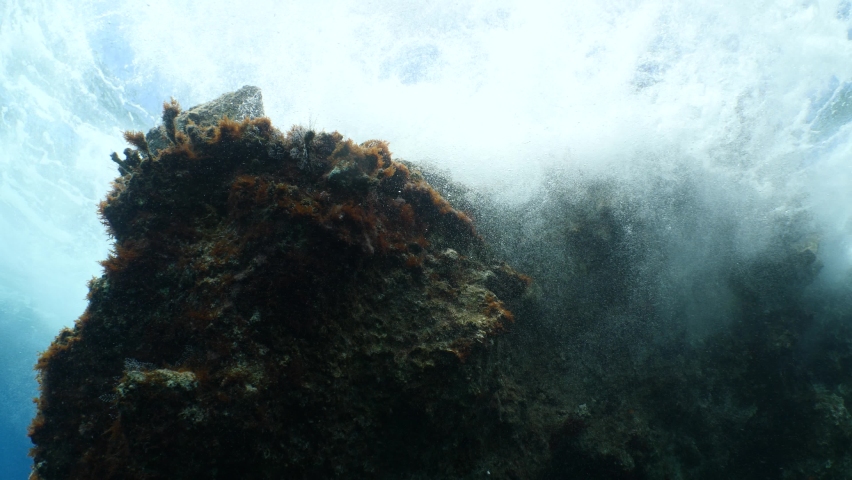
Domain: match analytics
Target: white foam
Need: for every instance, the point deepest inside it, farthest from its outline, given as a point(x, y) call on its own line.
point(499, 93)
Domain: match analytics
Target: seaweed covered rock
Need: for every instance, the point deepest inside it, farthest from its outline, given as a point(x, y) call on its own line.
point(279, 306)
point(650, 365)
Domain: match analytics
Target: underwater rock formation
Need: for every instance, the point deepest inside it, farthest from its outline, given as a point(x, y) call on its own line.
point(279, 305)
point(738, 369)
point(296, 305)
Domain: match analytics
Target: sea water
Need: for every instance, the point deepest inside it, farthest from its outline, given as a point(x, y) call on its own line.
point(748, 103)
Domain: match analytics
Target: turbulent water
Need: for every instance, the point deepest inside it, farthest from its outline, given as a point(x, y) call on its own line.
point(712, 128)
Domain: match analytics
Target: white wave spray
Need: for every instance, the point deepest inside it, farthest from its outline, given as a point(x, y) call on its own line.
point(754, 98)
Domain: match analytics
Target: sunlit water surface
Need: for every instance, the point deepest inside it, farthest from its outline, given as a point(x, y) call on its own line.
point(754, 98)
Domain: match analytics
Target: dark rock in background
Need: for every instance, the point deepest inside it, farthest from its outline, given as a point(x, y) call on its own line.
point(664, 351)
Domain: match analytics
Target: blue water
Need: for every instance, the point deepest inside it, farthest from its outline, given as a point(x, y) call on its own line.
point(756, 97)
point(19, 348)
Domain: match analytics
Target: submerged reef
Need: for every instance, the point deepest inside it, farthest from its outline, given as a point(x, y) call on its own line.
point(669, 349)
point(298, 305)
point(276, 305)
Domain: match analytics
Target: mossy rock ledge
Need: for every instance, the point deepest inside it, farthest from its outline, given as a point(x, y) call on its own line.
point(280, 305)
